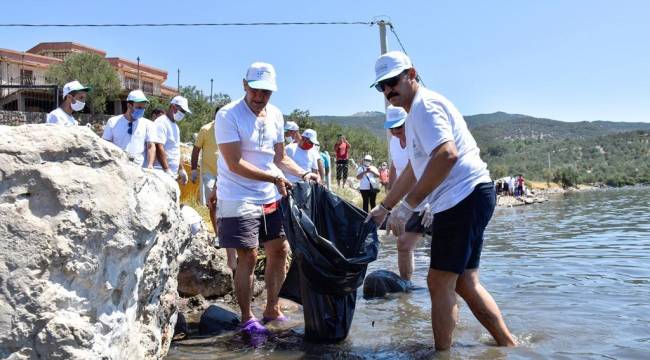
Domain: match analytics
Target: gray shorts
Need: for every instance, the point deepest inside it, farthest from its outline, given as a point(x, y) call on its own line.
point(248, 232)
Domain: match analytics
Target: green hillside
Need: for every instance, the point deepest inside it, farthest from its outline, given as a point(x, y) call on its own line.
point(616, 153)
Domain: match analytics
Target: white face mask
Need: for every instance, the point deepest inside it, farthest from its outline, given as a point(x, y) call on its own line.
point(77, 105)
point(178, 115)
point(288, 139)
point(366, 163)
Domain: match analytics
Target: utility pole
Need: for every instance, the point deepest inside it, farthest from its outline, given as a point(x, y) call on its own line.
point(549, 169)
point(211, 81)
point(139, 83)
point(383, 46)
point(178, 85)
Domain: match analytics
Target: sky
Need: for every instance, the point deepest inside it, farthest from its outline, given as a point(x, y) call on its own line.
point(566, 60)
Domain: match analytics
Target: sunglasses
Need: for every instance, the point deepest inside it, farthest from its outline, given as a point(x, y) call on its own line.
point(130, 130)
point(390, 82)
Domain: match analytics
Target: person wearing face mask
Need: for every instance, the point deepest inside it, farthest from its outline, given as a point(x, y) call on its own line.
point(305, 154)
point(368, 177)
point(291, 132)
point(74, 99)
point(132, 132)
point(444, 166)
point(167, 139)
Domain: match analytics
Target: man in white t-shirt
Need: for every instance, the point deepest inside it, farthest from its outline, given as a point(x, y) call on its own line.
point(74, 99)
point(444, 165)
point(167, 138)
point(131, 131)
point(414, 228)
point(305, 154)
point(250, 135)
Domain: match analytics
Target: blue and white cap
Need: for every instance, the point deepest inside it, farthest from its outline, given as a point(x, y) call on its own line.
point(261, 76)
point(391, 64)
point(74, 86)
point(395, 117)
point(137, 96)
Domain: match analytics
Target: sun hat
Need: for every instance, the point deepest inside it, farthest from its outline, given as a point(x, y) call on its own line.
point(311, 135)
point(74, 86)
point(391, 64)
point(395, 117)
point(137, 96)
point(261, 76)
point(182, 103)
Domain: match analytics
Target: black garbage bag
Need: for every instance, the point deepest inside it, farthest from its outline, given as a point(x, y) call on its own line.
point(332, 247)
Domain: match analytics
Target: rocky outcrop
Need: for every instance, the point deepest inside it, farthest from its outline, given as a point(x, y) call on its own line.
point(88, 249)
point(204, 269)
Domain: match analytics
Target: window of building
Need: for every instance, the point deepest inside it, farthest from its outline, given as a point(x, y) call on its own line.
point(147, 87)
point(60, 54)
point(26, 77)
point(130, 83)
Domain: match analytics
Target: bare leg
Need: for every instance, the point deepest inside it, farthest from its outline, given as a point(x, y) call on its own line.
point(244, 281)
point(405, 261)
point(484, 307)
point(274, 274)
point(232, 259)
point(444, 310)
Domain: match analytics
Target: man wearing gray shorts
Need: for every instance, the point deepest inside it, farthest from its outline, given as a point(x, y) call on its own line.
point(250, 135)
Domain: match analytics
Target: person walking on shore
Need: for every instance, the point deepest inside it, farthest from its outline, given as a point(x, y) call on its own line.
point(167, 137)
point(444, 163)
point(342, 151)
point(74, 99)
point(132, 132)
point(250, 136)
point(414, 228)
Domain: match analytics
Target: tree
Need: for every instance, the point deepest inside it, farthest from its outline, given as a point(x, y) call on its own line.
point(203, 110)
point(91, 70)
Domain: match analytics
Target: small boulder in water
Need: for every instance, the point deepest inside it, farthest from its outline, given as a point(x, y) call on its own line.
point(382, 282)
point(216, 320)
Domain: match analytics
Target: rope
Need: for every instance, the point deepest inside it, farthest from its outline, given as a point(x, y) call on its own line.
point(392, 29)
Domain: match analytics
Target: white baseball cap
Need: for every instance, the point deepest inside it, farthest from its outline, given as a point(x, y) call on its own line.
point(290, 126)
point(181, 102)
point(395, 117)
point(74, 86)
point(137, 96)
point(261, 76)
point(311, 135)
point(391, 64)
point(367, 157)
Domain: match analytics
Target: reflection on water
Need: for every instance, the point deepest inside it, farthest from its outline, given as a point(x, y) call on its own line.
point(572, 278)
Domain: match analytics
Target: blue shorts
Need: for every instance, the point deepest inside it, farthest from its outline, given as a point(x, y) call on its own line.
point(457, 237)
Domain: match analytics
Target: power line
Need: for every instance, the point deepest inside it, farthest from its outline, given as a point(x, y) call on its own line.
point(196, 24)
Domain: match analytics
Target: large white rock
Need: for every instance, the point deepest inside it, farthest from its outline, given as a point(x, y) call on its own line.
point(88, 248)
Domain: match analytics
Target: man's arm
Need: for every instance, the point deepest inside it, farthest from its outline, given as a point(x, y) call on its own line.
point(162, 156)
point(443, 158)
point(286, 163)
point(321, 168)
point(151, 154)
point(195, 157)
point(231, 153)
point(400, 187)
point(392, 175)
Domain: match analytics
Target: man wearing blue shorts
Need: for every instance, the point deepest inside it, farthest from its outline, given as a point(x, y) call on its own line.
point(445, 167)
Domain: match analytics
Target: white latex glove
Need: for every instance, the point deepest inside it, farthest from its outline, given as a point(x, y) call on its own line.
point(427, 216)
point(171, 173)
point(398, 218)
point(378, 214)
point(195, 174)
point(183, 176)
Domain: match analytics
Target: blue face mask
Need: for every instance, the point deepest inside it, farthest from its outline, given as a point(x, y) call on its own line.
point(137, 113)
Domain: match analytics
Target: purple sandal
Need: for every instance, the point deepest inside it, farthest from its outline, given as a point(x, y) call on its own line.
point(253, 327)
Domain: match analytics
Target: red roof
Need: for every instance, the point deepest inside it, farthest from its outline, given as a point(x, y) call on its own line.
point(61, 46)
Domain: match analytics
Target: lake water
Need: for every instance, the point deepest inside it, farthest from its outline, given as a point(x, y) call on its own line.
point(571, 276)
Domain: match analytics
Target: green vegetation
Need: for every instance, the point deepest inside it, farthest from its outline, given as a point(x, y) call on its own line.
point(91, 70)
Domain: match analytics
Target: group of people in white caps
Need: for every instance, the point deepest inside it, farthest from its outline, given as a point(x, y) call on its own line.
point(150, 144)
point(438, 183)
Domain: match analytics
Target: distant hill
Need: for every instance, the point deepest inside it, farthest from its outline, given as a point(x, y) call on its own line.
point(616, 153)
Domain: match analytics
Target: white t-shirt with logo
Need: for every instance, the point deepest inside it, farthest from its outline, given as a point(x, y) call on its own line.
point(432, 121)
point(166, 132)
point(306, 159)
point(236, 122)
point(399, 155)
point(135, 145)
point(58, 116)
